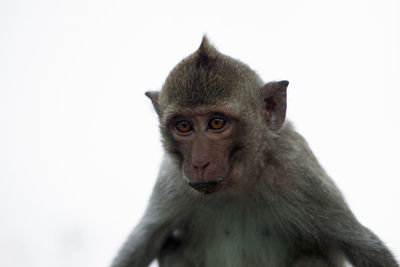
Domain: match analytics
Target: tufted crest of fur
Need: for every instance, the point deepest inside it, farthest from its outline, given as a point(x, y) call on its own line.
point(206, 77)
point(206, 50)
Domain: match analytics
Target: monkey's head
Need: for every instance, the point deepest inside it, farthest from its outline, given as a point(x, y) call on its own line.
point(214, 112)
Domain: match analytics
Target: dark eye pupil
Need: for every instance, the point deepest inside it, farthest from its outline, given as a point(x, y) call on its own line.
point(217, 123)
point(183, 126)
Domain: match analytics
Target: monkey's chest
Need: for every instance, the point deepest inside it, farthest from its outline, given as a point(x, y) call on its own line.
point(225, 239)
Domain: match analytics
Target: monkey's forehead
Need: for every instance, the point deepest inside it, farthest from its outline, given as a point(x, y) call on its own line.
point(209, 89)
point(227, 109)
point(198, 86)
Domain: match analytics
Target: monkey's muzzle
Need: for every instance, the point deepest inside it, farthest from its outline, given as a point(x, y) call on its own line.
point(207, 187)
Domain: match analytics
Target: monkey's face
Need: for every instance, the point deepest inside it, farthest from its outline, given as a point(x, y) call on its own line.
point(206, 139)
point(198, 108)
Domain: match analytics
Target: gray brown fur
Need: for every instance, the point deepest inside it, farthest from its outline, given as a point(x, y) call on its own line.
point(287, 213)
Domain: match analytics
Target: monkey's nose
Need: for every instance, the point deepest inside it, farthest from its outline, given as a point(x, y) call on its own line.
point(200, 168)
point(207, 187)
point(200, 165)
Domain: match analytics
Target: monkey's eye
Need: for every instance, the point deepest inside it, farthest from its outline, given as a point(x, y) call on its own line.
point(217, 123)
point(183, 126)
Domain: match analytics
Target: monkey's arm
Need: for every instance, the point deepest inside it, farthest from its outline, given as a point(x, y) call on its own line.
point(321, 215)
point(364, 248)
point(143, 244)
point(361, 247)
point(162, 216)
point(337, 225)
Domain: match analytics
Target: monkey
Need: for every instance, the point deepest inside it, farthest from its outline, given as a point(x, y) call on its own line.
point(238, 185)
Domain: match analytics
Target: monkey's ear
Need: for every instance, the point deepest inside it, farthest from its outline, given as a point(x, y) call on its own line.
point(274, 109)
point(153, 95)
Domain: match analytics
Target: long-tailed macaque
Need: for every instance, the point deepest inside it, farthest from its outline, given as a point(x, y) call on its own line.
point(238, 185)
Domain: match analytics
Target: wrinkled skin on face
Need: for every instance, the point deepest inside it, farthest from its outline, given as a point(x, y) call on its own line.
point(207, 141)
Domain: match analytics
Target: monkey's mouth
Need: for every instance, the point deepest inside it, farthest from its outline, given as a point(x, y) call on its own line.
point(207, 187)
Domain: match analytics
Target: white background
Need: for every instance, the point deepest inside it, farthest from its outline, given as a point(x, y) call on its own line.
point(79, 142)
